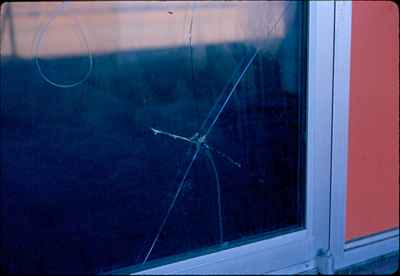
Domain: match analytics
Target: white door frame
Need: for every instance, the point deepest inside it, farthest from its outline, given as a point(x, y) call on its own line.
point(347, 253)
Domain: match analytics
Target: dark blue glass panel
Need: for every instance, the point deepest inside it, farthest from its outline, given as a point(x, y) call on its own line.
point(133, 132)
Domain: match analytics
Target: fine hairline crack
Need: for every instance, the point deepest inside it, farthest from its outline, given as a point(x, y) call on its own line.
point(199, 140)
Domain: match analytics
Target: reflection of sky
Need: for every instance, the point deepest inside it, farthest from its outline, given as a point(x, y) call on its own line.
point(113, 26)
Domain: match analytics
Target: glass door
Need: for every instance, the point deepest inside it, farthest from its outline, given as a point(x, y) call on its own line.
point(165, 137)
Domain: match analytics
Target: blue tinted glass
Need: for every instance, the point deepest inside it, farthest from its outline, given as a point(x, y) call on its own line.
point(136, 131)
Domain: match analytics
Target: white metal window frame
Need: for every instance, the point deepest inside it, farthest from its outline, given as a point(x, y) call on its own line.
point(297, 248)
point(351, 252)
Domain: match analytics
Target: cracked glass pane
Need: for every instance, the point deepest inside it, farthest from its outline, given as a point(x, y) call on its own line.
point(139, 133)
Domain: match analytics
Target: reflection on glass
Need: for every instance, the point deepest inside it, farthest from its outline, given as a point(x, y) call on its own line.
point(136, 131)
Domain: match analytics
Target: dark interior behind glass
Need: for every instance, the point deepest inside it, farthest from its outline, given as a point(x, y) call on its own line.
point(159, 129)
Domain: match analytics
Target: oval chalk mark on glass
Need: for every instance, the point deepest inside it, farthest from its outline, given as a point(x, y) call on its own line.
point(61, 51)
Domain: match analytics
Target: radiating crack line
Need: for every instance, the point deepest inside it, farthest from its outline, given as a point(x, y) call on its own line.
point(220, 225)
point(239, 78)
point(225, 156)
point(199, 139)
point(231, 92)
point(171, 206)
point(157, 131)
point(190, 45)
point(203, 125)
point(194, 140)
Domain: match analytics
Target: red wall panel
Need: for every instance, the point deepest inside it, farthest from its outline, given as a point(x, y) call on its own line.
point(373, 176)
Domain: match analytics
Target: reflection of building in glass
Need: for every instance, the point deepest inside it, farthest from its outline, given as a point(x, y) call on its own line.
point(114, 26)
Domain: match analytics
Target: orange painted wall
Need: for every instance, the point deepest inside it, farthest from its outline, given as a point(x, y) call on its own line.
point(373, 168)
